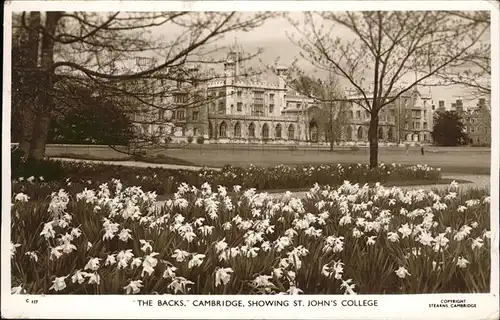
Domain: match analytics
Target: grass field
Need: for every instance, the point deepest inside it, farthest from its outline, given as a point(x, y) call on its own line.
point(452, 160)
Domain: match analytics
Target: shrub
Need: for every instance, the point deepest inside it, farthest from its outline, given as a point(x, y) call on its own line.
point(278, 177)
point(200, 140)
point(190, 139)
point(23, 167)
point(383, 241)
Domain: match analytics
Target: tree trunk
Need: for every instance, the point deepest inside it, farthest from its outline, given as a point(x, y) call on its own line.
point(40, 131)
point(30, 61)
point(373, 138)
point(27, 125)
point(43, 114)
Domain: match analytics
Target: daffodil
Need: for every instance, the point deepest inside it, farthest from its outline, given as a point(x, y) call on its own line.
point(401, 272)
point(179, 284)
point(58, 284)
point(21, 197)
point(169, 272)
point(223, 276)
point(462, 262)
point(133, 287)
point(196, 260)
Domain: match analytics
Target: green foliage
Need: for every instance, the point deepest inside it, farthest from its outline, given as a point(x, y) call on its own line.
point(348, 215)
point(166, 181)
point(200, 140)
point(28, 167)
point(92, 120)
point(448, 129)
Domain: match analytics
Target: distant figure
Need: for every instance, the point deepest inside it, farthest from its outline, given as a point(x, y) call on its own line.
point(407, 148)
point(422, 150)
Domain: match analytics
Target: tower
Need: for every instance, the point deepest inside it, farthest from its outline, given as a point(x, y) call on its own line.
point(229, 69)
point(281, 72)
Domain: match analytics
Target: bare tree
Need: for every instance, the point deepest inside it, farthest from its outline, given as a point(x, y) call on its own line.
point(387, 47)
point(472, 71)
point(327, 95)
point(87, 47)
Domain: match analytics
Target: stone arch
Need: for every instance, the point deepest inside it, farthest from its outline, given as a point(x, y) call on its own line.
point(251, 130)
point(223, 129)
point(360, 133)
point(265, 131)
point(237, 130)
point(313, 131)
point(291, 132)
point(348, 133)
point(277, 131)
point(408, 137)
point(210, 130)
point(416, 137)
point(381, 133)
point(390, 134)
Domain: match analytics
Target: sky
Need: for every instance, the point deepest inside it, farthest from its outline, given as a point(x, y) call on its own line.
point(273, 38)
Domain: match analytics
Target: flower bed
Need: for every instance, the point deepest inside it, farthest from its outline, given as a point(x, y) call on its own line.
point(350, 239)
point(166, 181)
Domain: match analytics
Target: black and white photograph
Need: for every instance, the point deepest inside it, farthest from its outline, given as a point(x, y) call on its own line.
point(188, 153)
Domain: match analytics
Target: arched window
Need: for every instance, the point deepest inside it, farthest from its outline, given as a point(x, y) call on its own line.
point(390, 134)
point(278, 131)
point(348, 133)
point(237, 130)
point(223, 129)
point(360, 133)
point(265, 131)
point(251, 130)
point(313, 131)
point(381, 133)
point(291, 132)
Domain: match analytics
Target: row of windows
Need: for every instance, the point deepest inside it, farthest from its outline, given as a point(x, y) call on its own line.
point(416, 125)
point(361, 134)
point(179, 115)
point(161, 130)
point(257, 108)
point(239, 94)
point(251, 130)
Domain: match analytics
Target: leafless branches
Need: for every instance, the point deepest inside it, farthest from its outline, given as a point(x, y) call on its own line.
point(95, 49)
point(388, 48)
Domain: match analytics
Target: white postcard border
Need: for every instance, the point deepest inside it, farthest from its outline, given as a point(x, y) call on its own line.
point(121, 306)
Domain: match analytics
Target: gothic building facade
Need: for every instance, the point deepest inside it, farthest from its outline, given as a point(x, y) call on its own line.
point(236, 108)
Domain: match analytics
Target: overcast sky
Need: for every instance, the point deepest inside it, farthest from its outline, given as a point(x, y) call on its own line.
point(273, 37)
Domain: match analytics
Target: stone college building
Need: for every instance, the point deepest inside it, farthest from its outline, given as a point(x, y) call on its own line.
point(237, 108)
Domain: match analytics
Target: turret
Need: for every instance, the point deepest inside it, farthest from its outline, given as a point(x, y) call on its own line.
point(281, 71)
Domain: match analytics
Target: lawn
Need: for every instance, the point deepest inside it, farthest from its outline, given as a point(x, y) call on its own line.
point(463, 160)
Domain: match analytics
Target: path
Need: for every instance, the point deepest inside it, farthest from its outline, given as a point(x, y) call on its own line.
point(140, 164)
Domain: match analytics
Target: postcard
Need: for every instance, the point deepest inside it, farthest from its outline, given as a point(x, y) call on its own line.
point(250, 160)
